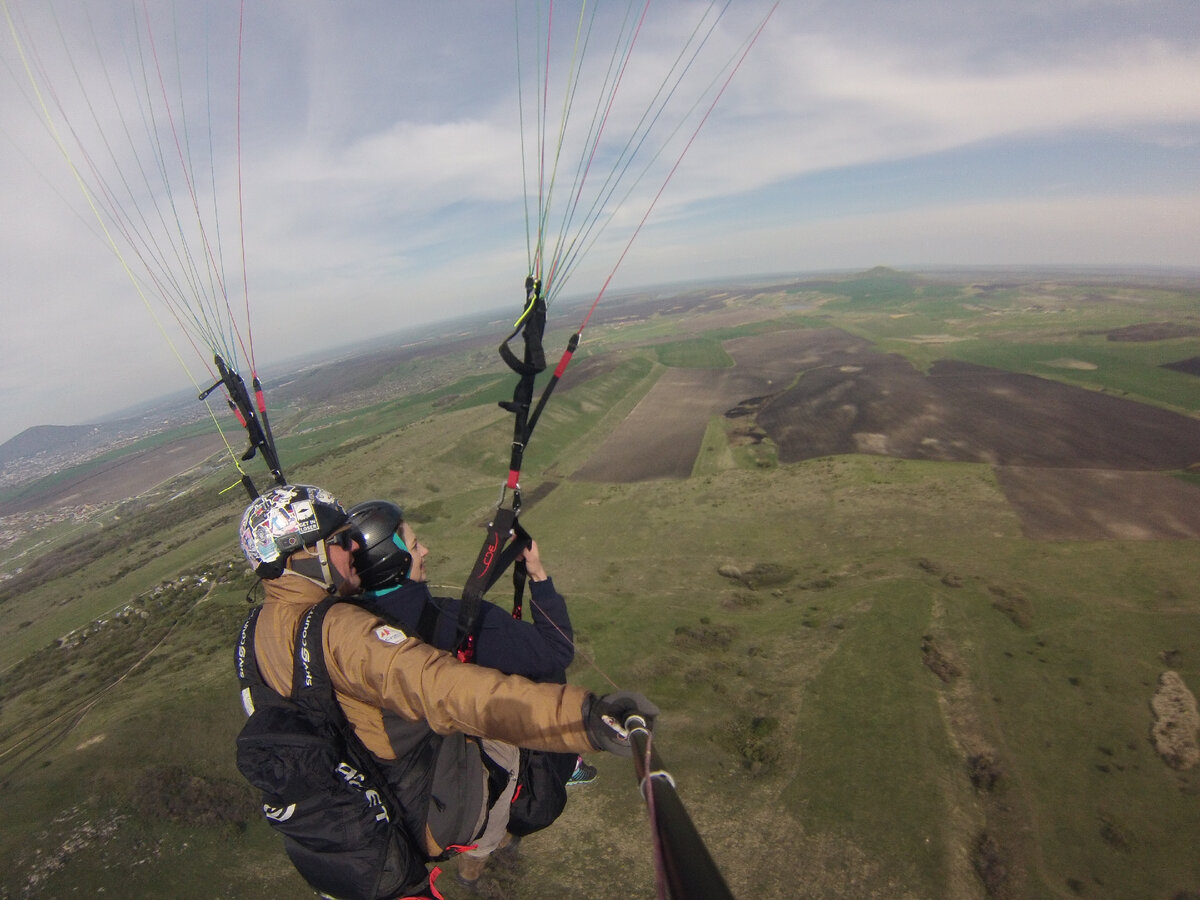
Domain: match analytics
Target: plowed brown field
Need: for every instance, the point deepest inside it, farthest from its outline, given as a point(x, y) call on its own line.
point(1074, 463)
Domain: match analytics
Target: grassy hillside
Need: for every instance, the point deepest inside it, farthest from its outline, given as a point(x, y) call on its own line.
point(873, 684)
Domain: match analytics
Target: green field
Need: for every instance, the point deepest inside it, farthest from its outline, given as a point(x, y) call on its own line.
point(789, 619)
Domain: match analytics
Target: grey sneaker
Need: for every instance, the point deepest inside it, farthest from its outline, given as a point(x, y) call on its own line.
point(583, 774)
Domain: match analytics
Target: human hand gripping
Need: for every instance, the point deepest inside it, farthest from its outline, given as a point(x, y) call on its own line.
point(605, 717)
point(533, 562)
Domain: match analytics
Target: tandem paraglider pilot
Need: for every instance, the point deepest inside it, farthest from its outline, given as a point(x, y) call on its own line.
point(370, 747)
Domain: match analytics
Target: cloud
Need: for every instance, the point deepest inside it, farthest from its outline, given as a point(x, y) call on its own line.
point(836, 106)
point(380, 168)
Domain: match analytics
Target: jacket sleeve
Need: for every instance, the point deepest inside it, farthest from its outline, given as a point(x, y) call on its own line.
point(381, 666)
point(540, 650)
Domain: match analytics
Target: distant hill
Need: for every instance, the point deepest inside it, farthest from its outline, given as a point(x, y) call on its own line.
point(352, 370)
point(51, 440)
point(45, 449)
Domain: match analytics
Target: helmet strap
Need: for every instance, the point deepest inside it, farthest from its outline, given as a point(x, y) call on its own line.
point(317, 570)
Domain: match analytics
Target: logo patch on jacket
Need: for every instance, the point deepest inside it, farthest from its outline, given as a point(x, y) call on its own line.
point(390, 635)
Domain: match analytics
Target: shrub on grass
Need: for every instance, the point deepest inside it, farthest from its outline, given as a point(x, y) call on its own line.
point(171, 793)
point(991, 865)
point(688, 637)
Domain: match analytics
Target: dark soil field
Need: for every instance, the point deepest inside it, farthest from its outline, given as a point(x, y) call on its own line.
point(1153, 331)
point(1190, 366)
point(1075, 464)
point(1100, 504)
point(867, 402)
point(661, 437)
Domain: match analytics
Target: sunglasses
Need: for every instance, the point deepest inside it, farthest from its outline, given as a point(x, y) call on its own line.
point(346, 539)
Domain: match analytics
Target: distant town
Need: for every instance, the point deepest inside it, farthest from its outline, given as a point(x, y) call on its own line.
point(46, 449)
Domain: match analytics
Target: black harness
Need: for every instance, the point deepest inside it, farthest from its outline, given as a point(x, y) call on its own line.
point(506, 539)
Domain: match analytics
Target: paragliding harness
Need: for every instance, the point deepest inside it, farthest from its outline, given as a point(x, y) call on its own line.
point(321, 788)
point(541, 793)
point(506, 539)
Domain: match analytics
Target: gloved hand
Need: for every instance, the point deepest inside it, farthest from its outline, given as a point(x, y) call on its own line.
point(604, 717)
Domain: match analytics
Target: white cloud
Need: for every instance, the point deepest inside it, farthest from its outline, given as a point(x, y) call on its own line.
point(835, 106)
point(381, 173)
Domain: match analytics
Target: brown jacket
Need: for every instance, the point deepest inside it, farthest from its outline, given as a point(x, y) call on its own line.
point(378, 671)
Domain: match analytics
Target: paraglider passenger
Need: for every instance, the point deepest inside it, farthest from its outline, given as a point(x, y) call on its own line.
point(394, 579)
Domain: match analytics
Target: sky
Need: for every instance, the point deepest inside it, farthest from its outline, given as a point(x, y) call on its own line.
point(362, 167)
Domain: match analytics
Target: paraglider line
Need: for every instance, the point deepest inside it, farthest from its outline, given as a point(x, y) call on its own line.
point(675, 167)
point(588, 659)
point(189, 181)
point(241, 207)
point(91, 199)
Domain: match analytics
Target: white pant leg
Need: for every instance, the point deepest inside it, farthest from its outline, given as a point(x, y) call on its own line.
point(507, 757)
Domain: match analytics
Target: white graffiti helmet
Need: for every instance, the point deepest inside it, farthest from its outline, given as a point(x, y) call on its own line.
point(285, 519)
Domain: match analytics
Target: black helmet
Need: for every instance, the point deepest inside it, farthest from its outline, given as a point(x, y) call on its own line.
point(384, 560)
point(283, 520)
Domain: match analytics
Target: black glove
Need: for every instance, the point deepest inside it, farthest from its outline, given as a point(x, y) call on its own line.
point(604, 717)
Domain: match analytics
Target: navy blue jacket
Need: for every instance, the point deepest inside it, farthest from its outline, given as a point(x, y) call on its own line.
point(540, 650)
